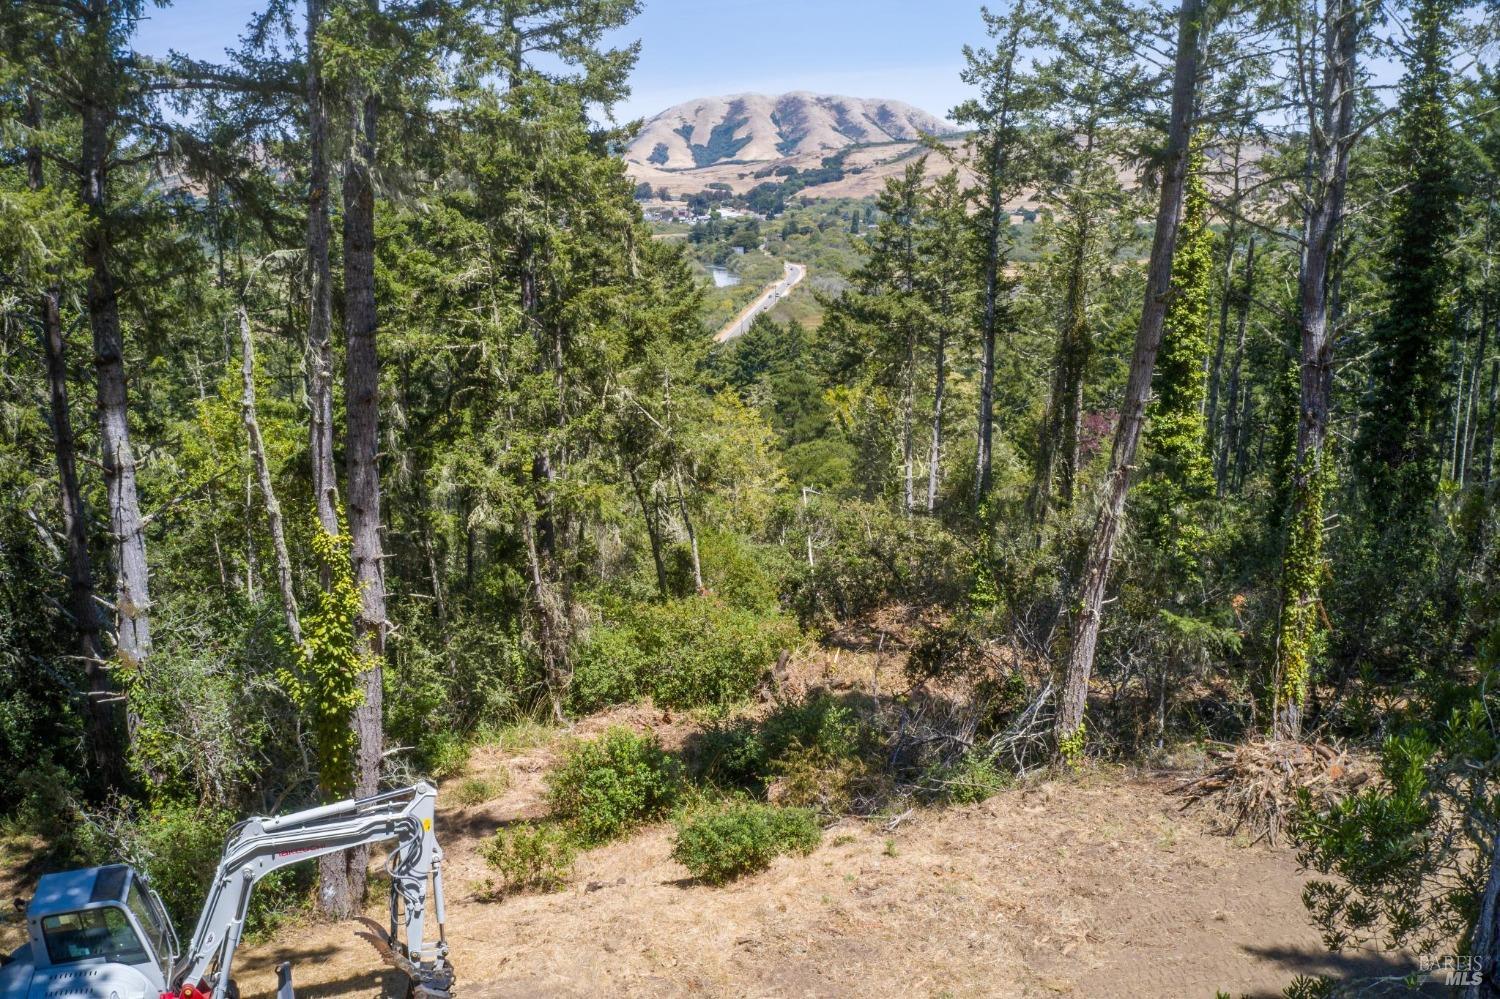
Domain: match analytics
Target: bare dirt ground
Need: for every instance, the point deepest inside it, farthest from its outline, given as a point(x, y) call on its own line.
point(1093, 886)
point(1096, 885)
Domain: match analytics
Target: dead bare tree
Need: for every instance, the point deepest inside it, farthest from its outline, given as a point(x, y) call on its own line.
point(263, 475)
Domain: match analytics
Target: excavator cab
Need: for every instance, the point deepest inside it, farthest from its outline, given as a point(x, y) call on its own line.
point(102, 933)
point(100, 929)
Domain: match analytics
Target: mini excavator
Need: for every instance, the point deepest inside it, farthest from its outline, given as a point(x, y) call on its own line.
point(103, 933)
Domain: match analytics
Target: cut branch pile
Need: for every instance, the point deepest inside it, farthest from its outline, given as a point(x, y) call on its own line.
point(1254, 788)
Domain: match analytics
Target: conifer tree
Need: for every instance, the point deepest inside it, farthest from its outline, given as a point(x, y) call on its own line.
point(1177, 478)
point(1401, 435)
point(997, 116)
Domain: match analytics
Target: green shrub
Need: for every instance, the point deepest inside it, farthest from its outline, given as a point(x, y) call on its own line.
point(834, 785)
point(446, 754)
point(819, 753)
point(867, 556)
point(610, 668)
point(820, 722)
point(178, 846)
point(608, 784)
point(730, 755)
point(685, 653)
point(473, 791)
point(736, 570)
point(743, 839)
point(971, 780)
point(530, 857)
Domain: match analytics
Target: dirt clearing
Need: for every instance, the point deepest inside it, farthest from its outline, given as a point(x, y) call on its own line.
point(1099, 887)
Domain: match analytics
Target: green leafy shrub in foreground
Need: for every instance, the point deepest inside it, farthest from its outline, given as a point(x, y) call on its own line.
point(819, 755)
point(530, 857)
point(608, 784)
point(743, 839)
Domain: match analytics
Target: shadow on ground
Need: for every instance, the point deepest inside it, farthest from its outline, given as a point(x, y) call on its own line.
point(1345, 967)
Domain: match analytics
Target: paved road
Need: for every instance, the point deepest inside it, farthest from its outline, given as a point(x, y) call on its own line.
point(774, 293)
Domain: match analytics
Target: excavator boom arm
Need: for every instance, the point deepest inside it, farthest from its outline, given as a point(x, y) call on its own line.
point(258, 846)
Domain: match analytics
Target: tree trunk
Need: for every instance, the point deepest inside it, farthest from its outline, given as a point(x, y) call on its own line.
point(342, 897)
point(552, 637)
point(320, 287)
point(1216, 365)
point(653, 530)
point(1472, 436)
point(1068, 725)
point(1486, 442)
point(263, 474)
point(104, 721)
point(1484, 946)
point(692, 535)
point(132, 589)
point(1074, 358)
point(1216, 375)
point(1058, 456)
point(1492, 409)
point(908, 449)
point(935, 447)
point(1230, 442)
point(1326, 211)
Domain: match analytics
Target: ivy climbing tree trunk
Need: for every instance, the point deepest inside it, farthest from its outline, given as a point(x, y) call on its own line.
point(1089, 602)
point(1333, 133)
point(342, 896)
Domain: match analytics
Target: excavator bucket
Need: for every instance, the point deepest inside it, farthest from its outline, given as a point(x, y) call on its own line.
point(423, 982)
point(378, 937)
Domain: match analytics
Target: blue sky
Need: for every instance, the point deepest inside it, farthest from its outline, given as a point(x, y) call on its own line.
point(897, 49)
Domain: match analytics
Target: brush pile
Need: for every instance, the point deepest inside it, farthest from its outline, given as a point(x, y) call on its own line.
point(1255, 788)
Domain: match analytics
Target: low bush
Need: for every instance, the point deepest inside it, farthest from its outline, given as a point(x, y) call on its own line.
point(817, 753)
point(473, 791)
point(608, 784)
point(742, 574)
point(820, 755)
point(530, 857)
point(972, 779)
point(729, 754)
point(743, 839)
point(820, 722)
point(866, 556)
point(446, 754)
